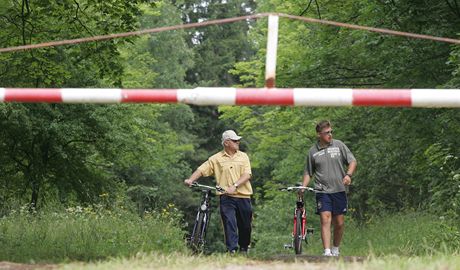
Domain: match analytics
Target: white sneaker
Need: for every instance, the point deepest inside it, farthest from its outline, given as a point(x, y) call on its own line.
point(335, 251)
point(327, 253)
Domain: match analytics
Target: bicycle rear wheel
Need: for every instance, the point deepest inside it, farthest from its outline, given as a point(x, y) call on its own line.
point(298, 232)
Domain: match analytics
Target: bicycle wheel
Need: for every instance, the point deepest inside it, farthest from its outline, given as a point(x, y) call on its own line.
point(196, 241)
point(298, 232)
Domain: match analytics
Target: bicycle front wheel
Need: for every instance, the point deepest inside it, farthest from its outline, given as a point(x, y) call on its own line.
point(298, 232)
point(197, 239)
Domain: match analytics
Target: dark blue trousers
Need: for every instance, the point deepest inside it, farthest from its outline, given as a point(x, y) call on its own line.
point(236, 216)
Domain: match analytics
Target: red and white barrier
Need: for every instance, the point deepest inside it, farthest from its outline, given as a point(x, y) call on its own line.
point(242, 96)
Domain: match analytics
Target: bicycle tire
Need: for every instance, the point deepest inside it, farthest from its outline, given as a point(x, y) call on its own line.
point(298, 233)
point(205, 219)
point(197, 241)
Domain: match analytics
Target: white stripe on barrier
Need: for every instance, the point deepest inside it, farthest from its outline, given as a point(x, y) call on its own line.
point(207, 96)
point(2, 94)
point(323, 97)
point(436, 98)
point(82, 95)
point(270, 56)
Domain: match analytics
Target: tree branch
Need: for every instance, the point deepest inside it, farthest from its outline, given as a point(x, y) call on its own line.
point(306, 9)
point(454, 7)
point(317, 9)
point(78, 19)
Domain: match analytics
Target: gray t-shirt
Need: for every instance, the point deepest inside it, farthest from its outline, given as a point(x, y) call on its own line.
point(328, 165)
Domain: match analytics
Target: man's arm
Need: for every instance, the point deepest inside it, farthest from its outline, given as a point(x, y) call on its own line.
point(351, 169)
point(194, 177)
point(243, 179)
point(305, 182)
point(306, 179)
point(309, 169)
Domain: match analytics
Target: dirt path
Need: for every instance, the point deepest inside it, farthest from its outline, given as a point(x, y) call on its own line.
point(22, 266)
point(316, 259)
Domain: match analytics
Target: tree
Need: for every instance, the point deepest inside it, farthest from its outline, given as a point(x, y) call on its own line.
point(61, 146)
point(392, 145)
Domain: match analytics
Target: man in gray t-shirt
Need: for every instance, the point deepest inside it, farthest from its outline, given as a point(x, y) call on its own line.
point(332, 164)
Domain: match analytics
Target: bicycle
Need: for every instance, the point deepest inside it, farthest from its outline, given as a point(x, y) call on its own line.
point(197, 239)
point(300, 231)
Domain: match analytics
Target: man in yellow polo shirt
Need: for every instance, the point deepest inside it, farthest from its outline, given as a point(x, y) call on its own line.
point(232, 171)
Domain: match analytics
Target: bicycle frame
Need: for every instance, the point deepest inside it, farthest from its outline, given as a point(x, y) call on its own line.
point(300, 211)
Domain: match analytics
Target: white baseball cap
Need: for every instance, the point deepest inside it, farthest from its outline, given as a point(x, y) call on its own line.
point(230, 135)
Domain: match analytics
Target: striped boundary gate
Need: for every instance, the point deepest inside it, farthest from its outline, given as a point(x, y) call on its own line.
point(242, 96)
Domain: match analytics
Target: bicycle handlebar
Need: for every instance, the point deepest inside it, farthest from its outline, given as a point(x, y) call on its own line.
point(298, 188)
point(204, 187)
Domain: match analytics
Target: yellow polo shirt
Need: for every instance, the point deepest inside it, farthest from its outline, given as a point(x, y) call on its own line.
point(227, 170)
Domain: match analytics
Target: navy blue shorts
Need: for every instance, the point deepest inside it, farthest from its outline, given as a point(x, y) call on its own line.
point(336, 203)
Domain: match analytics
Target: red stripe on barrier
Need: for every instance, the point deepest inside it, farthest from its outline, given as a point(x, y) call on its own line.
point(382, 97)
point(51, 95)
point(252, 96)
point(139, 95)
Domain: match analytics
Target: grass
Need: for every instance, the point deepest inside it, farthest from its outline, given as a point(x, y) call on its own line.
point(183, 262)
point(119, 239)
point(85, 234)
point(165, 261)
point(403, 234)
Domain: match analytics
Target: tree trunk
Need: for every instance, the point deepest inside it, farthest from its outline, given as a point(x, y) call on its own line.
point(35, 185)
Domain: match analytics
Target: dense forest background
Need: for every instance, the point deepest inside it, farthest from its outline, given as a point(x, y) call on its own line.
point(138, 155)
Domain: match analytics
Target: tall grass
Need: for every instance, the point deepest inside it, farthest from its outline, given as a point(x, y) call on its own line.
point(94, 234)
point(401, 234)
point(219, 261)
point(86, 234)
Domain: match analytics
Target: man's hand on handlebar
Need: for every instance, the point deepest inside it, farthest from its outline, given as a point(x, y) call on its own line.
point(188, 182)
point(302, 190)
point(346, 180)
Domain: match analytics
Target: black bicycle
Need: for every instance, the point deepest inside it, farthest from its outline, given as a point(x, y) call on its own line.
point(300, 230)
point(197, 238)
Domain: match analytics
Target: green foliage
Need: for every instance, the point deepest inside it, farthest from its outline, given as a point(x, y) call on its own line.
point(77, 152)
point(445, 189)
point(454, 60)
point(217, 48)
point(319, 56)
point(159, 60)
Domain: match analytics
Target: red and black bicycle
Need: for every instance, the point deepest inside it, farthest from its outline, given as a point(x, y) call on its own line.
point(300, 231)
